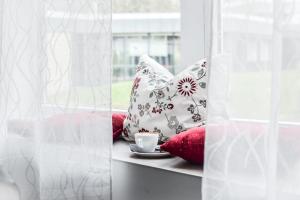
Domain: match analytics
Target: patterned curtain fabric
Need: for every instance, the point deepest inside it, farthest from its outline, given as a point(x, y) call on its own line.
point(55, 120)
point(252, 147)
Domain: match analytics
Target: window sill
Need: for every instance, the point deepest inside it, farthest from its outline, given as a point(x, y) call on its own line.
point(122, 153)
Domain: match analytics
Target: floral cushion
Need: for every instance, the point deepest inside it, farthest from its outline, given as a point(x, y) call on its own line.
point(163, 103)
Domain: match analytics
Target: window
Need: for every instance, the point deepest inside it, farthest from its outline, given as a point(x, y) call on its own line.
point(76, 53)
point(246, 39)
point(140, 27)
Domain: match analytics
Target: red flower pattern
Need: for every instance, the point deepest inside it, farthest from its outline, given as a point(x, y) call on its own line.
point(187, 86)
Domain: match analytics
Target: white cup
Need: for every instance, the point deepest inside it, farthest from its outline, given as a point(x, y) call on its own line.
point(146, 141)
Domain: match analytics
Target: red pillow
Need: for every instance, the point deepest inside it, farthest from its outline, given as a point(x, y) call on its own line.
point(188, 145)
point(117, 124)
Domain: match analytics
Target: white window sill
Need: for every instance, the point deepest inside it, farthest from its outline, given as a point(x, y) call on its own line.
point(122, 153)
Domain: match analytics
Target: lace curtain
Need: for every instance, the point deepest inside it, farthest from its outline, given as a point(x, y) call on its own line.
point(253, 134)
point(55, 122)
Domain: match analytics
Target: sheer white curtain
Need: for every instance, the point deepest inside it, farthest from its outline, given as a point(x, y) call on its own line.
point(55, 122)
point(252, 145)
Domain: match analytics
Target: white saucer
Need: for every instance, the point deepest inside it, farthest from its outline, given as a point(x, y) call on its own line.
point(157, 154)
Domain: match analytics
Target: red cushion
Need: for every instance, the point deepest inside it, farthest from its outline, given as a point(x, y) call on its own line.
point(188, 145)
point(117, 124)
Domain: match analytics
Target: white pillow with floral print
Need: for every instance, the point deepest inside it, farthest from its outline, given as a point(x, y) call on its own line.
point(163, 103)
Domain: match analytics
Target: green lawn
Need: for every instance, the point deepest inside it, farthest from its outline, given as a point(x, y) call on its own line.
point(92, 96)
point(121, 94)
point(247, 91)
point(249, 95)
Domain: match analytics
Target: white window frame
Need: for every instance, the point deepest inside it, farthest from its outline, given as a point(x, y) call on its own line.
point(194, 32)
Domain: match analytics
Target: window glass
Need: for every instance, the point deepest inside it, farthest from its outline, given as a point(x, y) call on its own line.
point(140, 27)
point(248, 40)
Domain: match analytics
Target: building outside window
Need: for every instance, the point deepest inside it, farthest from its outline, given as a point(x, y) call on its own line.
point(149, 27)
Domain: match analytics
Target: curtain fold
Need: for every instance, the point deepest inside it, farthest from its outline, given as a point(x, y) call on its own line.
point(253, 132)
point(55, 109)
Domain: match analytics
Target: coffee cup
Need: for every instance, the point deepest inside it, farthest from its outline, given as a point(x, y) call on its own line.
point(146, 141)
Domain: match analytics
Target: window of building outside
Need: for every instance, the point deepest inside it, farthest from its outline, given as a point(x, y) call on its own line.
point(140, 27)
